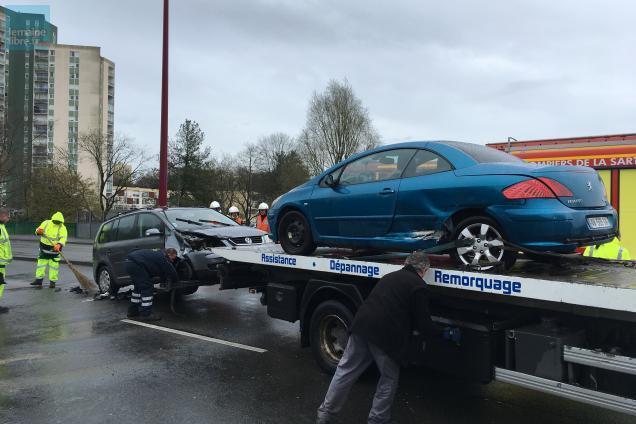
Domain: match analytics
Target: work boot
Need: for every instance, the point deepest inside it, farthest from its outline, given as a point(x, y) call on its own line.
point(148, 317)
point(51, 284)
point(3, 309)
point(133, 311)
point(323, 420)
point(37, 282)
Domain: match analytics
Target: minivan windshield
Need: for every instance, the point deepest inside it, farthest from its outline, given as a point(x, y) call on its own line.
point(189, 218)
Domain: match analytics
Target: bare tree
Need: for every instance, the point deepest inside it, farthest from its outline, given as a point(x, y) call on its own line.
point(118, 163)
point(6, 165)
point(224, 182)
point(11, 171)
point(245, 172)
point(279, 167)
point(271, 148)
point(337, 127)
point(49, 184)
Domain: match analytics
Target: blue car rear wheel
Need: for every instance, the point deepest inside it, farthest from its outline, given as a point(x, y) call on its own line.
point(487, 250)
point(295, 234)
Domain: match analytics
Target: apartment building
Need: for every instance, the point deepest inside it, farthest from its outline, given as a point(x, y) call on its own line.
point(136, 198)
point(51, 93)
point(82, 99)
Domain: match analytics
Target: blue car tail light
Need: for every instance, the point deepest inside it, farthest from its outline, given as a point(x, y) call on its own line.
point(542, 188)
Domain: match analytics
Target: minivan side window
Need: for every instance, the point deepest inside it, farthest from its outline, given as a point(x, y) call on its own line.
point(148, 221)
point(381, 166)
point(426, 162)
point(106, 234)
point(127, 228)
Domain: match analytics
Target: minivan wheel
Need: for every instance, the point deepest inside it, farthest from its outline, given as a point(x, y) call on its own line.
point(106, 282)
point(329, 333)
point(487, 247)
point(294, 233)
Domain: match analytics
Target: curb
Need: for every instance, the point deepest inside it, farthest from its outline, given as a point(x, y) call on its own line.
point(32, 259)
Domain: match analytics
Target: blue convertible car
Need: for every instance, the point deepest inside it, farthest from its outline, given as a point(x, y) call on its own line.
point(416, 195)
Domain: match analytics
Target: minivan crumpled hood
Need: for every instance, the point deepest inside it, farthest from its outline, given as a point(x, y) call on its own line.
point(227, 232)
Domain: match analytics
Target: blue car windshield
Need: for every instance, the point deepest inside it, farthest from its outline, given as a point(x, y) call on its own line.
point(484, 154)
point(189, 218)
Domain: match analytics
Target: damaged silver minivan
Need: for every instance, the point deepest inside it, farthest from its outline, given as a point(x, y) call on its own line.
point(192, 231)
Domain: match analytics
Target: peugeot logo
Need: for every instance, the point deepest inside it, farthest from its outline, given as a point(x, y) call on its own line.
point(248, 240)
point(589, 185)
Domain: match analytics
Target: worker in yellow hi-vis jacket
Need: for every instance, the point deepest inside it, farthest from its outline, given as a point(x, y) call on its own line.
point(612, 250)
point(5, 252)
point(53, 238)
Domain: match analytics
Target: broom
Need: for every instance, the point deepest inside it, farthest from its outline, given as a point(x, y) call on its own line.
point(86, 283)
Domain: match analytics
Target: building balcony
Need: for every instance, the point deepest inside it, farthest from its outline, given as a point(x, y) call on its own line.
point(40, 141)
point(39, 129)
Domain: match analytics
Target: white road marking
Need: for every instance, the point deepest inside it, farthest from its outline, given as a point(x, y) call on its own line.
point(21, 358)
point(196, 336)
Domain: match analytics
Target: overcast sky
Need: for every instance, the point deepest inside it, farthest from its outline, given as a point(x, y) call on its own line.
point(466, 70)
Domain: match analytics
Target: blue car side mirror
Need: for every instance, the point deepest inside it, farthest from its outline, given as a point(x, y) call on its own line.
point(329, 181)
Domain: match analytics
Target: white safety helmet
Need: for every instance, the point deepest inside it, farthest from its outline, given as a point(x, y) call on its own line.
point(215, 205)
point(233, 209)
point(263, 207)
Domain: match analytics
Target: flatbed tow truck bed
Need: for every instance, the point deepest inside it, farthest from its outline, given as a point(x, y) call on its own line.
point(566, 329)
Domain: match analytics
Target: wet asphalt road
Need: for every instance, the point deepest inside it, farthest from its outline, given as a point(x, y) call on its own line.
point(64, 359)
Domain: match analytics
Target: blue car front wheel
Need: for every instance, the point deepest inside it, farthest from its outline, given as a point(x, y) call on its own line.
point(487, 249)
point(295, 234)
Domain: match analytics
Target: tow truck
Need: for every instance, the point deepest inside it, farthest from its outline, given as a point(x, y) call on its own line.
point(568, 329)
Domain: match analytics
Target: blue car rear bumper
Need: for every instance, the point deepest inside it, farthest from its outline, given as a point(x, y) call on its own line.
point(549, 225)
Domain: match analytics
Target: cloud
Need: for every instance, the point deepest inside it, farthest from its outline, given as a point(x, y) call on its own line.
point(463, 70)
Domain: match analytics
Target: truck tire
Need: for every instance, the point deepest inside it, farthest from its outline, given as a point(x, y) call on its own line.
point(294, 233)
point(329, 333)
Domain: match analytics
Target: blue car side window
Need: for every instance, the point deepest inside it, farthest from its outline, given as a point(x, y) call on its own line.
point(381, 166)
point(426, 162)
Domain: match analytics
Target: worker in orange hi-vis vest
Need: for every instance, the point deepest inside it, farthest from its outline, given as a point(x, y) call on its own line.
point(261, 219)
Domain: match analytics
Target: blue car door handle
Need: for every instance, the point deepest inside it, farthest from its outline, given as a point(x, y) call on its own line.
point(387, 191)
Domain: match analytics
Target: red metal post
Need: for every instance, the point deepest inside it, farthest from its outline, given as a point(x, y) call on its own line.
point(163, 151)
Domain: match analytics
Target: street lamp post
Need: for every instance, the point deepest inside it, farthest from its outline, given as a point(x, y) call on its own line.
point(163, 150)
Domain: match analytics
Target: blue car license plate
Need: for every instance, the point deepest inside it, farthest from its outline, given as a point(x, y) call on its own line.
point(598, 222)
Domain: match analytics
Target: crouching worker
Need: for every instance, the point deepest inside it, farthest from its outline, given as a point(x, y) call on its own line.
point(380, 333)
point(142, 266)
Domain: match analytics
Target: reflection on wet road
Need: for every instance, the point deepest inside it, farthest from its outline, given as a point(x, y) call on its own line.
point(67, 360)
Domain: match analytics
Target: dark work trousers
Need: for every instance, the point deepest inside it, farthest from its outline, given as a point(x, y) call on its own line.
point(143, 289)
point(355, 360)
